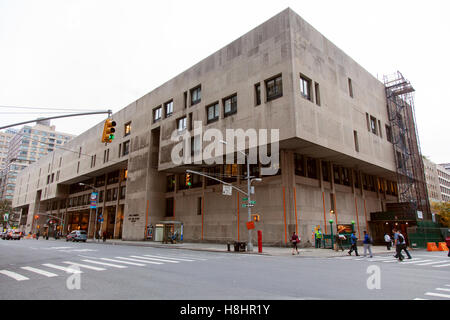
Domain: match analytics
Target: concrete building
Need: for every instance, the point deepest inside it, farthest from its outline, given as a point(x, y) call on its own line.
point(432, 179)
point(444, 182)
point(336, 150)
point(445, 165)
point(26, 146)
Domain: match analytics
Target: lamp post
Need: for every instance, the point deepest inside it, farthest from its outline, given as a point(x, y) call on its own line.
point(96, 208)
point(331, 227)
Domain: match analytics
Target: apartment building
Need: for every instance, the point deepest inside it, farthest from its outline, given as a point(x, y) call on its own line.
point(336, 156)
point(5, 138)
point(26, 146)
point(432, 179)
point(444, 182)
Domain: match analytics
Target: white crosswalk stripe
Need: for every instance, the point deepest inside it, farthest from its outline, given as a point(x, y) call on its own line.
point(417, 261)
point(443, 289)
point(14, 275)
point(66, 269)
point(442, 265)
point(155, 259)
point(165, 257)
point(39, 271)
point(137, 260)
point(104, 264)
point(430, 263)
point(440, 295)
point(84, 266)
point(124, 262)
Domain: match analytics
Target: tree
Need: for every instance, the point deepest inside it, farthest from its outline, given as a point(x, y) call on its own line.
point(5, 208)
point(443, 210)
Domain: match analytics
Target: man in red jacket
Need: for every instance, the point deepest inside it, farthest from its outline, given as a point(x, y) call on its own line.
point(447, 240)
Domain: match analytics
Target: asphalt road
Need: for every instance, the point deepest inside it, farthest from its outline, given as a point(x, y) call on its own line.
point(34, 269)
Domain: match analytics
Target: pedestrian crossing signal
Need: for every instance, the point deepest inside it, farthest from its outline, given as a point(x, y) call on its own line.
point(108, 131)
point(255, 217)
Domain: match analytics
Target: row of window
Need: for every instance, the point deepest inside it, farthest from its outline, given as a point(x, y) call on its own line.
point(111, 195)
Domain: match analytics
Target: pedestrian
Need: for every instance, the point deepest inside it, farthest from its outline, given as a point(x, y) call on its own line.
point(295, 239)
point(388, 241)
point(318, 238)
point(338, 239)
point(37, 235)
point(104, 236)
point(447, 240)
point(398, 242)
point(367, 244)
point(353, 240)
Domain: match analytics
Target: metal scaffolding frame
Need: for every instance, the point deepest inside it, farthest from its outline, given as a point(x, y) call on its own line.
point(408, 156)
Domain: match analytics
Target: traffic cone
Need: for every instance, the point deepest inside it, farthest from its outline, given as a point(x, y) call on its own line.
point(443, 246)
point(431, 246)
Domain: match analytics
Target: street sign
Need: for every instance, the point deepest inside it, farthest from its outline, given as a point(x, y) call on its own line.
point(244, 199)
point(248, 205)
point(250, 225)
point(252, 202)
point(227, 190)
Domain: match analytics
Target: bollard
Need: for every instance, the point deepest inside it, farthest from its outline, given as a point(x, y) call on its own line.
point(259, 241)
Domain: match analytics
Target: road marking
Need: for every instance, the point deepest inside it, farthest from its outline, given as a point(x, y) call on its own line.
point(39, 271)
point(185, 257)
point(429, 263)
point(420, 299)
point(125, 262)
point(104, 264)
point(14, 275)
point(147, 255)
point(137, 260)
point(443, 289)
point(69, 270)
point(442, 265)
point(438, 295)
point(156, 259)
point(56, 248)
point(84, 266)
point(418, 261)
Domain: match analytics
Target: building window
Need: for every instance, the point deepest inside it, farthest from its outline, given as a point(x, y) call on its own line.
point(126, 148)
point(199, 206)
point(305, 87)
point(317, 93)
point(257, 94)
point(212, 112)
point(169, 207)
point(355, 137)
point(274, 88)
point(379, 128)
point(123, 191)
point(388, 133)
point(127, 129)
point(185, 99)
point(168, 107)
point(157, 114)
point(373, 125)
point(196, 95)
point(181, 124)
point(350, 87)
point(230, 105)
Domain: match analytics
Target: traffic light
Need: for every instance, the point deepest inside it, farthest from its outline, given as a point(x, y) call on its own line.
point(36, 217)
point(108, 131)
point(255, 217)
point(188, 179)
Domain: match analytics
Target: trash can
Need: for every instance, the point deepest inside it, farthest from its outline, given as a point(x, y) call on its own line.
point(236, 247)
point(242, 246)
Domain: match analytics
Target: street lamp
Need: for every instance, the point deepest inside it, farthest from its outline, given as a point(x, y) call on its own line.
point(96, 209)
point(249, 182)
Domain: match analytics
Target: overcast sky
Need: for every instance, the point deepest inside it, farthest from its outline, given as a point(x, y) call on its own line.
point(105, 54)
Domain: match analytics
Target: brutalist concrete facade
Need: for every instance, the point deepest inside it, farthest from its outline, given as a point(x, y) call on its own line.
point(334, 148)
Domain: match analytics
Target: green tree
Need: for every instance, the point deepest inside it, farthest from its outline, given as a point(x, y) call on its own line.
point(443, 210)
point(5, 207)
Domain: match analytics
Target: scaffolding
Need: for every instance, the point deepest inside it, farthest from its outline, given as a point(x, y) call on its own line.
point(410, 169)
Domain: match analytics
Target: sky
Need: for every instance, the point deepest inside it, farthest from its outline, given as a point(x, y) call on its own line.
point(105, 54)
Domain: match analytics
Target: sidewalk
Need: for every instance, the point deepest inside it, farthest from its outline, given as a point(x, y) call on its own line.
point(266, 250)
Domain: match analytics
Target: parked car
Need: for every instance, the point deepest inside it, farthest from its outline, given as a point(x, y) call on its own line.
point(16, 235)
point(3, 235)
point(77, 235)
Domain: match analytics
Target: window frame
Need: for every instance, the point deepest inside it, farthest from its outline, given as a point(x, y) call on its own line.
point(275, 95)
point(232, 110)
point(215, 118)
point(305, 80)
point(185, 124)
point(159, 108)
point(195, 89)
point(166, 114)
point(127, 129)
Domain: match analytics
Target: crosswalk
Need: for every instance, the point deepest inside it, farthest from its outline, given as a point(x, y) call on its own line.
point(98, 264)
point(442, 293)
point(432, 262)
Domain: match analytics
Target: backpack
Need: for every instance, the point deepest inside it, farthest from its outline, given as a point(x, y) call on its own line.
point(401, 238)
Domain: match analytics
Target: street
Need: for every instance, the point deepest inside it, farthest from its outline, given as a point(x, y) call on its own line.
point(44, 269)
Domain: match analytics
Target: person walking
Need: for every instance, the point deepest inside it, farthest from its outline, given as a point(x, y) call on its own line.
point(338, 238)
point(388, 241)
point(318, 238)
point(398, 243)
point(367, 244)
point(104, 236)
point(294, 240)
point(353, 240)
point(37, 235)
